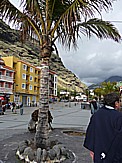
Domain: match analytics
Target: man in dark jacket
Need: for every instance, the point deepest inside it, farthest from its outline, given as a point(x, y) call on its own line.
point(104, 132)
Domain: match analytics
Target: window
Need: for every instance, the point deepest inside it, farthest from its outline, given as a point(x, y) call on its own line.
point(30, 87)
point(31, 69)
point(31, 78)
point(7, 73)
point(55, 93)
point(24, 67)
point(55, 78)
point(55, 85)
point(23, 85)
point(23, 76)
point(6, 85)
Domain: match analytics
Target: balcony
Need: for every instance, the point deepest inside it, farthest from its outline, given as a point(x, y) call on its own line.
point(6, 90)
point(6, 78)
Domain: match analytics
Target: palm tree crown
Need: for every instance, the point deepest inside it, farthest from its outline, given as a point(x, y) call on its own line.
point(63, 20)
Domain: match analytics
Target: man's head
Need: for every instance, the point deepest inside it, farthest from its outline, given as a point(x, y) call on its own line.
point(112, 99)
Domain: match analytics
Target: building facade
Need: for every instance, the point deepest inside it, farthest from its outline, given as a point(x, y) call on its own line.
point(6, 81)
point(26, 85)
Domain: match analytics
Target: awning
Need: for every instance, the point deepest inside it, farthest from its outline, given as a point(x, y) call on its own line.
point(1, 98)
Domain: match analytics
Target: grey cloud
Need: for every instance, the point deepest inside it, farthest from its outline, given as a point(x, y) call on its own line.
point(96, 60)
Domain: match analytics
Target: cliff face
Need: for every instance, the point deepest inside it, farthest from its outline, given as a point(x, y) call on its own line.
point(29, 52)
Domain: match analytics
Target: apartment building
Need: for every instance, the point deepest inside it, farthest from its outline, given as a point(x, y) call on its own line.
point(6, 81)
point(52, 85)
point(26, 84)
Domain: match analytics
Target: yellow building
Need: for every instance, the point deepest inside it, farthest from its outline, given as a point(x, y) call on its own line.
point(26, 81)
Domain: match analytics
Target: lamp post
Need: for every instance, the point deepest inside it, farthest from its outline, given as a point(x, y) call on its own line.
point(74, 89)
point(69, 95)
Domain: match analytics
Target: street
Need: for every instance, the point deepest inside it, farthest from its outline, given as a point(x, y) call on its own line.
point(70, 117)
point(64, 116)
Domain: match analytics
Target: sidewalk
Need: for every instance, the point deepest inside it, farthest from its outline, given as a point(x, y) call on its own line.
point(65, 119)
point(74, 143)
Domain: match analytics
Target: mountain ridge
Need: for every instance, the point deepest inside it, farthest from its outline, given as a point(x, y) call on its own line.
point(114, 78)
point(29, 52)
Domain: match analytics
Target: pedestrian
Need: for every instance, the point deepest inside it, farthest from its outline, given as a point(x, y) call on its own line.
point(13, 104)
point(104, 132)
point(12, 109)
point(1, 109)
point(21, 108)
point(4, 108)
point(94, 105)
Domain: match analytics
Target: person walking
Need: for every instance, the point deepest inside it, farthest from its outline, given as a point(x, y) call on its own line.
point(104, 132)
point(94, 105)
point(13, 107)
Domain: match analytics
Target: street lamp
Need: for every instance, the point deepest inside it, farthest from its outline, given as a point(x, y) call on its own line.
point(74, 90)
point(69, 95)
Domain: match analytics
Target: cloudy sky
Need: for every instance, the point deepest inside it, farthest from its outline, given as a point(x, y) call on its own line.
point(96, 60)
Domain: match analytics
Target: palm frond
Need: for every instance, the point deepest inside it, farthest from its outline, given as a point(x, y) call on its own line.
point(70, 12)
point(102, 29)
point(27, 23)
point(61, 20)
point(73, 12)
point(35, 10)
point(9, 12)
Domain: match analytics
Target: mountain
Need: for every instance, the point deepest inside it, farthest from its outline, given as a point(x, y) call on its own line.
point(10, 44)
point(93, 86)
point(114, 79)
point(111, 79)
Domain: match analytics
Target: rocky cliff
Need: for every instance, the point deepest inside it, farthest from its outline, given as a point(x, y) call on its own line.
point(10, 44)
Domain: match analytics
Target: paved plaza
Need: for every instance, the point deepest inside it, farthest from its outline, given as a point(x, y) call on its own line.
point(67, 116)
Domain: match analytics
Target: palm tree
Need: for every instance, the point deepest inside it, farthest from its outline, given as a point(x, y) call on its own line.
point(108, 87)
point(98, 92)
point(51, 20)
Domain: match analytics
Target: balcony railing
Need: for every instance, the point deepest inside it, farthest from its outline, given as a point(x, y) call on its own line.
point(6, 78)
point(6, 90)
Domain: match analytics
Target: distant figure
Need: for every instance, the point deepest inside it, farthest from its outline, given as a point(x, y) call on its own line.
point(104, 132)
point(13, 106)
point(4, 108)
point(94, 105)
point(1, 109)
point(21, 105)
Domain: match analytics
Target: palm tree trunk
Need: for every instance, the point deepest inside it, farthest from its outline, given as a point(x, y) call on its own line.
point(42, 133)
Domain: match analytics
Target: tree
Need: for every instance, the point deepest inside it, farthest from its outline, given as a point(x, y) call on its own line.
point(108, 87)
point(98, 92)
point(51, 20)
point(105, 88)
